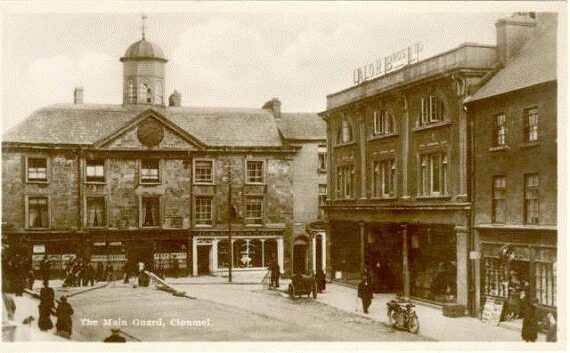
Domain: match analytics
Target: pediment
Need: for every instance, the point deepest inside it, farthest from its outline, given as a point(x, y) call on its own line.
point(150, 131)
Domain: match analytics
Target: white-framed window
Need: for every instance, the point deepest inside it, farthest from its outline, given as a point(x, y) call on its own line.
point(433, 110)
point(499, 199)
point(254, 173)
point(322, 199)
point(531, 124)
point(95, 212)
point(384, 177)
point(131, 93)
point(37, 212)
point(203, 210)
point(150, 211)
point(95, 171)
point(500, 130)
point(344, 134)
point(434, 174)
point(36, 169)
point(345, 182)
point(158, 95)
point(383, 122)
point(143, 89)
point(150, 171)
point(531, 197)
point(203, 171)
point(253, 210)
point(322, 161)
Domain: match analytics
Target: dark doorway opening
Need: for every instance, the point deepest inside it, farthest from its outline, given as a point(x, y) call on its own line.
point(204, 259)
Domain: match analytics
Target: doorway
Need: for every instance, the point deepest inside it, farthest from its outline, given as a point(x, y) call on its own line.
point(204, 259)
point(301, 255)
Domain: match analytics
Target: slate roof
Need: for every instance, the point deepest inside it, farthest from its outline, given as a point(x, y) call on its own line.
point(85, 124)
point(302, 126)
point(535, 64)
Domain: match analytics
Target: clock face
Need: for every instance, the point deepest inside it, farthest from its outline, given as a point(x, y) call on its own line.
point(150, 132)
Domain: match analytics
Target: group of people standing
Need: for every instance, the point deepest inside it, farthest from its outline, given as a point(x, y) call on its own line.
point(63, 312)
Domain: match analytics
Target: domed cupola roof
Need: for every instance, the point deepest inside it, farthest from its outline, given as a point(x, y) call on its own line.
point(144, 50)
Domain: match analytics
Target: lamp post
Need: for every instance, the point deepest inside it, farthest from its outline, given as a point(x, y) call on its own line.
point(231, 212)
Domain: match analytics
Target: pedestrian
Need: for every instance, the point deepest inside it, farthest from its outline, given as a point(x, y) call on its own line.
point(9, 305)
point(64, 323)
point(45, 268)
point(91, 278)
point(115, 337)
point(109, 273)
point(46, 306)
point(551, 335)
point(100, 272)
point(126, 272)
point(530, 322)
point(141, 267)
point(175, 266)
point(365, 293)
point(275, 273)
point(321, 280)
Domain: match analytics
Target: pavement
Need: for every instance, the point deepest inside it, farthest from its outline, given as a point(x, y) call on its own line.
point(433, 324)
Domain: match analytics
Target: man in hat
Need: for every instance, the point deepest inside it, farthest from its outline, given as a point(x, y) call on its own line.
point(115, 337)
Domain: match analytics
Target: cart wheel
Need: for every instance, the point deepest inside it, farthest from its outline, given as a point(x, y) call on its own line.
point(314, 291)
point(291, 292)
point(413, 324)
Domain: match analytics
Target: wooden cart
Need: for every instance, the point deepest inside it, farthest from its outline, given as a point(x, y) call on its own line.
point(302, 284)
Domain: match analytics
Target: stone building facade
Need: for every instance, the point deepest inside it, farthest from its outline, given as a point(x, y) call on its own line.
point(514, 117)
point(146, 181)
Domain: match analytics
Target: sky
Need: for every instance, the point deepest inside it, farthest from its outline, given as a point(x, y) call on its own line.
point(224, 54)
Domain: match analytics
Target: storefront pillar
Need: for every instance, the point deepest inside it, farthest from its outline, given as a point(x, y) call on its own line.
point(314, 252)
point(324, 253)
point(462, 236)
point(280, 254)
point(215, 256)
point(194, 258)
point(362, 229)
point(405, 265)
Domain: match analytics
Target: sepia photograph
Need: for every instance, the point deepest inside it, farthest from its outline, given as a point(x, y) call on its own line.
point(283, 175)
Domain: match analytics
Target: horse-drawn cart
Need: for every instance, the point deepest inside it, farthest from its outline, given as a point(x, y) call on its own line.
point(302, 284)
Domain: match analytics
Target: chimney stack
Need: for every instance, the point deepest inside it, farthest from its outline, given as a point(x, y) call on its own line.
point(175, 99)
point(512, 33)
point(275, 106)
point(78, 95)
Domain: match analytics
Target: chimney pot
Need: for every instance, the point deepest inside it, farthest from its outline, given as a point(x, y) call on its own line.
point(78, 95)
point(512, 33)
point(275, 106)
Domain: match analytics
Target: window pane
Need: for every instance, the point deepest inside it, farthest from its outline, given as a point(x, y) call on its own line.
point(149, 171)
point(254, 172)
point(96, 212)
point(150, 212)
point(203, 210)
point(255, 253)
point(37, 212)
point(203, 171)
point(95, 170)
point(223, 254)
point(253, 211)
point(37, 169)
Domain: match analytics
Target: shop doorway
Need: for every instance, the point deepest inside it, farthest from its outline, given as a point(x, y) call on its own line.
point(204, 259)
point(384, 258)
point(301, 255)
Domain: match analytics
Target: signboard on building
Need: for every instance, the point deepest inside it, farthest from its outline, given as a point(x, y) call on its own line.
point(493, 310)
point(392, 62)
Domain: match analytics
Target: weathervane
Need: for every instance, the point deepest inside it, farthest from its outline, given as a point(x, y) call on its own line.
point(143, 25)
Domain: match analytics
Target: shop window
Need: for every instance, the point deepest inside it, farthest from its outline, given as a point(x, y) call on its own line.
point(383, 122)
point(223, 254)
point(150, 212)
point(434, 174)
point(531, 199)
point(345, 182)
point(531, 124)
point(500, 130)
point(545, 281)
point(432, 110)
point(203, 171)
point(150, 172)
point(499, 199)
point(38, 216)
point(36, 170)
point(241, 254)
point(96, 212)
point(254, 210)
point(495, 277)
point(383, 177)
point(255, 253)
point(270, 251)
point(254, 172)
point(95, 171)
point(203, 210)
